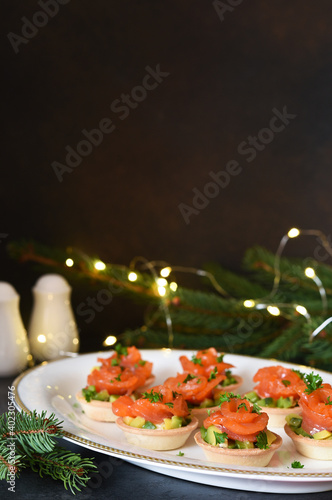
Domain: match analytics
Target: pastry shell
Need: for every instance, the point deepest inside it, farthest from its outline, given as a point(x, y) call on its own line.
point(318, 449)
point(253, 457)
point(277, 416)
point(157, 439)
point(96, 410)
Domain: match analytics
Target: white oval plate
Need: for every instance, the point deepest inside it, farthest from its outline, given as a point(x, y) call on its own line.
point(52, 387)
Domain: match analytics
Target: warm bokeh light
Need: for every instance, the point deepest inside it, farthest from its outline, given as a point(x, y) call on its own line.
point(310, 272)
point(99, 265)
point(166, 271)
point(69, 262)
point(132, 276)
point(161, 282)
point(301, 310)
point(41, 339)
point(293, 233)
point(249, 303)
point(273, 310)
point(173, 286)
point(161, 291)
point(110, 340)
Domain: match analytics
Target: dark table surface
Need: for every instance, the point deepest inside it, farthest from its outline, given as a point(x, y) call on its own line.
point(119, 480)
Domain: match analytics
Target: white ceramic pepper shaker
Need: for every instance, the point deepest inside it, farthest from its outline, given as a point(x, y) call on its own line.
point(52, 330)
point(14, 347)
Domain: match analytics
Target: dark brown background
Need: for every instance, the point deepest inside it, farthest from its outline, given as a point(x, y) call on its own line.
point(122, 200)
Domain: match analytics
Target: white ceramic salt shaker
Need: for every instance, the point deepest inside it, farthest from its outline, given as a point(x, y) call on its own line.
point(14, 347)
point(52, 330)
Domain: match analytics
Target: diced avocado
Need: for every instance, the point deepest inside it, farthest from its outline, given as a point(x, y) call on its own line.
point(207, 403)
point(267, 402)
point(270, 437)
point(244, 445)
point(211, 436)
point(301, 432)
point(294, 420)
point(231, 444)
point(148, 425)
point(114, 397)
point(285, 402)
point(127, 420)
point(172, 423)
point(102, 396)
point(137, 422)
point(322, 434)
point(252, 396)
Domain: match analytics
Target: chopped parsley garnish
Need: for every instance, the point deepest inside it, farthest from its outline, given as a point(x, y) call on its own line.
point(153, 397)
point(328, 401)
point(220, 358)
point(220, 437)
point(262, 441)
point(312, 382)
point(89, 393)
point(141, 362)
point(242, 405)
point(196, 361)
point(188, 377)
point(175, 394)
point(114, 362)
point(121, 350)
point(296, 465)
point(286, 382)
point(180, 454)
point(256, 408)
point(169, 404)
point(213, 374)
point(227, 396)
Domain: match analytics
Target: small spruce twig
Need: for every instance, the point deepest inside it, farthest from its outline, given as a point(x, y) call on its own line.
point(30, 440)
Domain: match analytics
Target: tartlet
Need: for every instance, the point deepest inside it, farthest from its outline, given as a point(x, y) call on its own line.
point(237, 434)
point(249, 458)
point(157, 439)
point(277, 385)
point(311, 432)
point(311, 448)
point(124, 372)
point(158, 420)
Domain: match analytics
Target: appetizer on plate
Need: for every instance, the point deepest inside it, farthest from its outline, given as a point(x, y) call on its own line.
point(276, 392)
point(198, 391)
point(311, 432)
point(158, 420)
point(208, 361)
point(237, 434)
point(123, 373)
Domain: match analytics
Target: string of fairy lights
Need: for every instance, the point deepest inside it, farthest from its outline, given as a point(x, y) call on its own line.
point(164, 284)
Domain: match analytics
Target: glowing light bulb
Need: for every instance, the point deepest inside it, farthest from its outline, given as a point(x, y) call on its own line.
point(110, 340)
point(161, 291)
point(166, 271)
point(161, 282)
point(293, 233)
point(132, 276)
point(99, 265)
point(301, 310)
point(173, 286)
point(273, 310)
point(69, 262)
point(249, 303)
point(310, 272)
point(41, 339)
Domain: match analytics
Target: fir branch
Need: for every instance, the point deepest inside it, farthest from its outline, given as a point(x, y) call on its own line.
point(32, 431)
point(10, 460)
point(64, 465)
